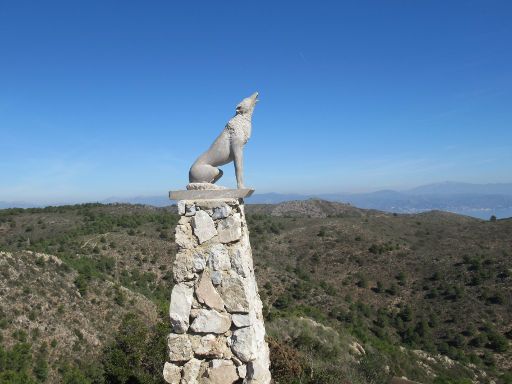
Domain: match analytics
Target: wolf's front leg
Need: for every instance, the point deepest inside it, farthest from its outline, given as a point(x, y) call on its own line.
point(238, 157)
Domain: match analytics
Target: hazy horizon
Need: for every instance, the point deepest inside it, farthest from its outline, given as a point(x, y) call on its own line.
point(164, 194)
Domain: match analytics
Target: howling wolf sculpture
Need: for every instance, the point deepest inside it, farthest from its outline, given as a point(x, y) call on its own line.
point(226, 148)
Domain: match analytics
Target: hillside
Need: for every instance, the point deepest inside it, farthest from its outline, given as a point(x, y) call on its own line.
point(353, 295)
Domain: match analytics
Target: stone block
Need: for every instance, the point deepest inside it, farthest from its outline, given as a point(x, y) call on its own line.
point(221, 212)
point(191, 372)
point(244, 345)
point(180, 348)
point(230, 229)
point(219, 258)
point(184, 237)
point(172, 373)
point(211, 346)
point(233, 292)
point(183, 267)
point(181, 303)
point(240, 320)
point(221, 372)
point(207, 294)
point(203, 226)
point(211, 321)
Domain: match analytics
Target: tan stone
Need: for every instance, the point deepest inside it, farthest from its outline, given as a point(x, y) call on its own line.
point(180, 347)
point(207, 294)
point(191, 371)
point(221, 372)
point(211, 346)
point(184, 237)
point(172, 373)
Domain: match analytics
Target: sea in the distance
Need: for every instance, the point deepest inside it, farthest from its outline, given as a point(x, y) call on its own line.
point(485, 214)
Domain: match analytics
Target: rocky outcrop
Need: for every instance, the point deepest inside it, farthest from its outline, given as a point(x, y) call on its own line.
point(218, 335)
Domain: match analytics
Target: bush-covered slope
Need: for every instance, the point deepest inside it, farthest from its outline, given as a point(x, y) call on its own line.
point(350, 295)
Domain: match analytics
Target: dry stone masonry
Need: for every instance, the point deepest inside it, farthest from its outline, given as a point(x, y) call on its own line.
point(218, 335)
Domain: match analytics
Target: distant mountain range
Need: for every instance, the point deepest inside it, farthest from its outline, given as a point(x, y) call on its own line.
point(477, 200)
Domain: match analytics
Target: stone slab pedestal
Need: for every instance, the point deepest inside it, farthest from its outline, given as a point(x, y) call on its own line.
point(218, 335)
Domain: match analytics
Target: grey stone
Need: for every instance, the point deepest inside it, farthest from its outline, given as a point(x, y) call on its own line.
point(180, 348)
point(238, 262)
point(191, 371)
point(199, 261)
point(211, 321)
point(183, 267)
point(240, 320)
point(233, 292)
point(181, 304)
point(221, 212)
point(230, 229)
point(219, 258)
point(216, 277)
point(172, 373)
point(207, 294)
point(221, 372)
point(203, 226)
point(190, 210)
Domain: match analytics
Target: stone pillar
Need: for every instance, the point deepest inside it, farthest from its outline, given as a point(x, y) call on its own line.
point(218, 335)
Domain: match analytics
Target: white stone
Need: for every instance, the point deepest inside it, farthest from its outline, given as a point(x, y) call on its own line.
point(221, 212)
point(242, 371)
point(230, 229)
point(181, 304)
point(207, 294)
point(233, 292)
point(203, 226)
point(241, 321)
point(191, 371)
point(181, 207)
point(172, 373)
point(219, 258)
point(211, 321)
point(243, 344)
point(257, 373)
point(180, 348)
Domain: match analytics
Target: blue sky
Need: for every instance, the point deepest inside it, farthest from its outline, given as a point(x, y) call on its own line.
point(117, 98)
